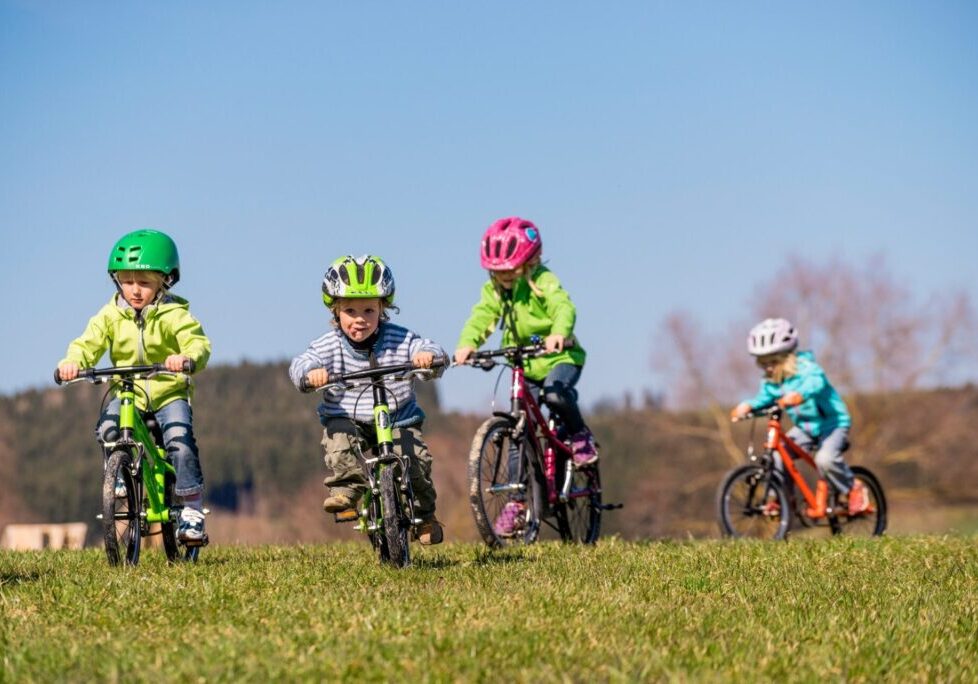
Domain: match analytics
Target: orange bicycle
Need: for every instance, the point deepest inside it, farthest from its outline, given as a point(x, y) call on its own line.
point(757, 500)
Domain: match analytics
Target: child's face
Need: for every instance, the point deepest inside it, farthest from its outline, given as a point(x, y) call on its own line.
point(506, 279)
point(139, 289)
point(359, 318)
point(770, 363)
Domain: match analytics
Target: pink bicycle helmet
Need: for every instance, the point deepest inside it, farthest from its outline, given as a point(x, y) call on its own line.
point(509, 243)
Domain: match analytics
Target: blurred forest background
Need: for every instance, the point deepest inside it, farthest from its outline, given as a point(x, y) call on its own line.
point(904, 365)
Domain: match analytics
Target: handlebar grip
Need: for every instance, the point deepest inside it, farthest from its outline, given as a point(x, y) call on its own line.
point(189, 365)
point(57, 376)
point(304, 385)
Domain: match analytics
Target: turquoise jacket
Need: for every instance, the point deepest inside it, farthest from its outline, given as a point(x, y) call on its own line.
point(822, 409)
point(551, 312)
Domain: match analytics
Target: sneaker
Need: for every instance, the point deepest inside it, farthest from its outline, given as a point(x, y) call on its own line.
point(585, 450)
point(858, 498)
point(191, 526)
point(120, 488)
point(510, 519)
point(335, 503)
point(429, 532)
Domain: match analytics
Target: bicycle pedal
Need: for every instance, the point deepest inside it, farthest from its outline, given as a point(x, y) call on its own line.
point(349, 515)
point(195, 543)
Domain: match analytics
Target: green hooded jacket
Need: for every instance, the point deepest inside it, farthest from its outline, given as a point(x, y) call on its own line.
point(552, 313)
point(162, 329)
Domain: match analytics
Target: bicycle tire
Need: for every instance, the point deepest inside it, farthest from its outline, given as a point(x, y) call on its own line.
point(395, 548)
point(745, 504)
point(175, 551)
point(579, 518)
point(121, 520)
point(872, 523)
point(501, 470)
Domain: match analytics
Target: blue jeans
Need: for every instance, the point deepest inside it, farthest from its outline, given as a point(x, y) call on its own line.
point(560, 395)
point(176, 423)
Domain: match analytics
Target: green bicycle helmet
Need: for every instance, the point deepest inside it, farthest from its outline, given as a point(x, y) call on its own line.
point(146, 250)
point(358, 278)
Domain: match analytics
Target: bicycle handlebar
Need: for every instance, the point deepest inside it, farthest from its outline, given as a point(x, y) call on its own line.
point(98, 374)
point(759, 413)
point(346, 380)
point(486, 359)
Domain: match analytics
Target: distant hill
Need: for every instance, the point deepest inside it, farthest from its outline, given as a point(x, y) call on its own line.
point(262, 461)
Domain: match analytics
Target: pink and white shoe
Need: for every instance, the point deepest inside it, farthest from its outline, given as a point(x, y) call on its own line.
point(585, 450)
point(510, 520)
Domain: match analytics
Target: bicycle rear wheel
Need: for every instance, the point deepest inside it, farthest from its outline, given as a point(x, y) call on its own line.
point(579, 518)
point(752, 503)
point(175, 551)
point(394, 545)
point(121, 521)
point(872, 523)
point(500, 474)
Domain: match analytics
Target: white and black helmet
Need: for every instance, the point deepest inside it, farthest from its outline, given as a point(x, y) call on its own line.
point(772, 336)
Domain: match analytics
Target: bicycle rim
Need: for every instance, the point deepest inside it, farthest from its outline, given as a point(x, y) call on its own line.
point(752, 504)
point(120, 514)
point(500, 475)
point(395, 544)
point(579, 518)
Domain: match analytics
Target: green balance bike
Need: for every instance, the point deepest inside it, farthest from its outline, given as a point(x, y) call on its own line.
point(138, 482)
point(386, 511)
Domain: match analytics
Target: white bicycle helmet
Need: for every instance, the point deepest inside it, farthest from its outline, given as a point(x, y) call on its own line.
point(772, 336)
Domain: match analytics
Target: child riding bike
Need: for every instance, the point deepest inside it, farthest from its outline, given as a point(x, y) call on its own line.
point(796, 383)
point(359, 292)
point(525, 299)
point(144, 323)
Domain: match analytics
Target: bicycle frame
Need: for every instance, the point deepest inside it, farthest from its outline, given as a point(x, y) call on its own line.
point(135, 435)
point(384, 456)
point(790, 452)
point(547, 443)
point(372, 515)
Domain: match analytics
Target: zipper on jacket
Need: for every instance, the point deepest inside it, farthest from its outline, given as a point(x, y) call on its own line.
point(140, 355)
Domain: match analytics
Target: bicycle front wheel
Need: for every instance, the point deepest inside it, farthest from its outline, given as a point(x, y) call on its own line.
point(504, 495)
point(121, 503)
point(579, 518)
point(752, 503)
point(394, 549)
point(872, 522)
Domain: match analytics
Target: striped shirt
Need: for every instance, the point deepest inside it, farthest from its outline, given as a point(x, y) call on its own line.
point(395, 345)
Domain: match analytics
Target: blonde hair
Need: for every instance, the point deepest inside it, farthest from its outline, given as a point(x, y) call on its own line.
point(156, 277)
point(785, 368)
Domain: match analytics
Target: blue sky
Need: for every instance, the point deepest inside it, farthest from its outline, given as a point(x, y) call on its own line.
point(669, 152)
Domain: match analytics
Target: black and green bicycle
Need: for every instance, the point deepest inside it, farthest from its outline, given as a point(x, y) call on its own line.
point(386, 511)
point(138, 482)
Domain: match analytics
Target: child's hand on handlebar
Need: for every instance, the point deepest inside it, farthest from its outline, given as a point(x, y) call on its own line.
point(317, 377)
point(68, 371)
point(174, 362)
point(740, 411)
point(423, 360)
point(462, 354)
point(554, 343)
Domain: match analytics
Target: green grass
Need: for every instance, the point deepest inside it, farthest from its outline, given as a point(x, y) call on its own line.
point(892, 609)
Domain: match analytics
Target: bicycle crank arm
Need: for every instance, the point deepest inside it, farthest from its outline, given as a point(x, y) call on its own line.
point(611, 506)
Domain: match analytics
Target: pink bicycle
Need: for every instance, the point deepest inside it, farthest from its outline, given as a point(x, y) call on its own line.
point(520, 457)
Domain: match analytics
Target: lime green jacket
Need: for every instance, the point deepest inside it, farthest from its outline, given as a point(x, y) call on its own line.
point(160, 330)
point(552, 313)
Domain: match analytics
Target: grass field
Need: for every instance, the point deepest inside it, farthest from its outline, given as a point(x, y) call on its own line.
point(895, 609)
